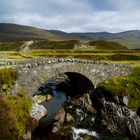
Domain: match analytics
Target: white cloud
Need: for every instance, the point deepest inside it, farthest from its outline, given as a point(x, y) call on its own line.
point(73, 15)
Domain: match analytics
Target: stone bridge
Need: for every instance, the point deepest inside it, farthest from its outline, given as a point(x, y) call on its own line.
point(35, 72)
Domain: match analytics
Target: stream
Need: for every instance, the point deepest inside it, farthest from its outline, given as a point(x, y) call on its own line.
point(85, 127)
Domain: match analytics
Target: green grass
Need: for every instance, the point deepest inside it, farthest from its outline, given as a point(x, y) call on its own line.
point(87, 54)
point(100, 55)
point(120, 86)
point(10, 46)
point(132, 63)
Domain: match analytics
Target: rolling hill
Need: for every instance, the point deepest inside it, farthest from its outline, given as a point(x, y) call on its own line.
point(65, 44)
point(12, 32)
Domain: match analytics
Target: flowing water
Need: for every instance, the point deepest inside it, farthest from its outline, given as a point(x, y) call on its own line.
point(84, 129)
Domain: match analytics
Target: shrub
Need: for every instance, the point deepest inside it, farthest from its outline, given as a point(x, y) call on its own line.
point(6, 122)
point(14, 114)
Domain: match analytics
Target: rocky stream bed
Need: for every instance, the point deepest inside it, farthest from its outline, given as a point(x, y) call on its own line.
point(89, 116)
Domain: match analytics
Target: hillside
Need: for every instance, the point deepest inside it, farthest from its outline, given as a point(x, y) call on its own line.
point(107, 45)
point(33, 45)
point(127, 35)
point(12, 32)
point(65, 44)
point(131, 39)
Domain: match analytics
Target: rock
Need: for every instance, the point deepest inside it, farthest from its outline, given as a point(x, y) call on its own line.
point(124, 100)
point(138, 111)
point(116, 117)
point(55, 129)
point(84, 102)
point(27, 136)
point(60, 115)
point(48, 97)
point(59, 120)
point(87, 137)
point(38, 111)
point(116, 99)
point(42, 98)
point(69, 118)
point(39, 98)
point(119, 119)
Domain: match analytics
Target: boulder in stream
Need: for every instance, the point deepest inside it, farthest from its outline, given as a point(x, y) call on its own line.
point(42, 98)
point(60, 119)
point(38, 111)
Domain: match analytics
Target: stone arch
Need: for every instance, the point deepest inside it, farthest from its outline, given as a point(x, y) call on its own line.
point(35, 72)
point(79, 83)
point(72, 83)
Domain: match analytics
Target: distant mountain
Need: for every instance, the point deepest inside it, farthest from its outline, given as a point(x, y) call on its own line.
point(13, 32)
point(64, 35)
point(131, 39)
point(128, 35)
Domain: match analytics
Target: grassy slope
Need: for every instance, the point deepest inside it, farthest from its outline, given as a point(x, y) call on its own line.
point(16, 46)
point(10, 46)
point(129, 86)
point(44, 44)
point(131, 44)
point(54, 44)
point(107, 45)
point(69, 44)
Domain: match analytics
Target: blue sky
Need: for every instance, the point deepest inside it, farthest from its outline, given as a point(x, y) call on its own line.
point(73, 15)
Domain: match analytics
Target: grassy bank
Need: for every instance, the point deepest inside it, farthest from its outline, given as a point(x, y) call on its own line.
point(124, 86)
point(14, 109)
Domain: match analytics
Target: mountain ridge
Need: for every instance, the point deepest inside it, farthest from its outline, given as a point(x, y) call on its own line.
point(15, 32)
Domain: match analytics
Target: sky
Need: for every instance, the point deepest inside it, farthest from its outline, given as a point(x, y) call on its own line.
point(73, 15)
